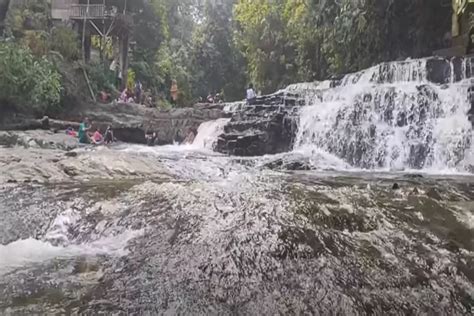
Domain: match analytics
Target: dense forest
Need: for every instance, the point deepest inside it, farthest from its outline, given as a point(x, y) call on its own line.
point(222, 45)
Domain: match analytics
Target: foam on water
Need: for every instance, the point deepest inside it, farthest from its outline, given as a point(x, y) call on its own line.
point(208, 133)
point(57, 244)
point(390, 117)
point(233, 107)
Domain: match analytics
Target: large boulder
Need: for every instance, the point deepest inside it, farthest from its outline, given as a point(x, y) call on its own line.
point(267, 127)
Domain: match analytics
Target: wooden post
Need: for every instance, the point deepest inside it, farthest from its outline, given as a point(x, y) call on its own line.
point(103, 40)
point(84, 23)
point(84, 51)
point(124, 43)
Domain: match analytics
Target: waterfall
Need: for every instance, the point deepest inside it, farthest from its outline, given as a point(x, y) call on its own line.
point(233, 107)
point(208, 133)
point(390, 116)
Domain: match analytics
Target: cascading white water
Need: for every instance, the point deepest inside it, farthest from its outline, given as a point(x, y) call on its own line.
point(208, 133)
point(390, 116)
point(233, 107)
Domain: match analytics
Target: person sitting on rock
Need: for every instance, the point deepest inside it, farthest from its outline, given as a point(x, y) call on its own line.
point(97, 137)
point(109, 135)
point(210, 98)
point(123, 96)
point(148, 99)
point(71, 132)
point(151, 138)
point(251, 96)
point(217, 98)
point(83, 129)
point(104, 97)
point(130, 96)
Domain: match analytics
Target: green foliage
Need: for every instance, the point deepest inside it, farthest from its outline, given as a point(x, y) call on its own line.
point(26, 82)
point(263, 37)
point(170, 65)
point(64, 40)
point(101, 77)
point(32, 16)
point(218, 66)
point(218, 46)
point(131, 77)
point(301, 40)
point(36, 41)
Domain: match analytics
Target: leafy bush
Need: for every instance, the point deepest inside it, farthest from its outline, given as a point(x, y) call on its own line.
point(101, 77)
point(64, 40)
point(131, 78)
point(26, 82)
point(37, 42)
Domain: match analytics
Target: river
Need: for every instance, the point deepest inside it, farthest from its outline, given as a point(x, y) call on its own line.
point(207, 234)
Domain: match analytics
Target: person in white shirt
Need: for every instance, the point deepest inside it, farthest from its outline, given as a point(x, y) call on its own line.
point(251, 96)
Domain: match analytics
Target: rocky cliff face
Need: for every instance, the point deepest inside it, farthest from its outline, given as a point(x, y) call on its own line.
point(268, 127)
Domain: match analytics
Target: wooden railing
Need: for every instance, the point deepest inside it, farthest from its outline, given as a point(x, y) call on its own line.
point(92, 11)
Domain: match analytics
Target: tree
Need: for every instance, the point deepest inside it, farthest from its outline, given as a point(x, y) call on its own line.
point(218, 66)
point(262, 37)
point(302, 40)
point(26, 82)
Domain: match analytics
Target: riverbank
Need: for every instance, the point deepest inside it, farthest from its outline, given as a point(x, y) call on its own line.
point(129, 121)
point(47, 157)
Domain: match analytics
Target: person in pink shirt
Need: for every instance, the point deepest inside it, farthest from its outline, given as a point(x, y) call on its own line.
point(97, 137)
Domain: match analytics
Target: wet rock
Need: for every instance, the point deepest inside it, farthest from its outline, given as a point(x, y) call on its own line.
point(70, 171)
point(438, 70)
point(413, 176)
point(71, 154)
point(349, 222)
point(434, 194)
point(396, 186)
point(283, 165)
point(38, 139)
point(269, 127)
point(45, 123)
point(470, 168)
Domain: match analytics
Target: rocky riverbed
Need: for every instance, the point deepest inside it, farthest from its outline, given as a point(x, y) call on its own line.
point(181, 230)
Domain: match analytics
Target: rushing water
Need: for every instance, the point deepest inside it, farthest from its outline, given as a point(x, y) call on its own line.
point(391, 117)
point(217, 235)
point(208, 133)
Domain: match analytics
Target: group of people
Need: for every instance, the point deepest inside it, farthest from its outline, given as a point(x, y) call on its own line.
point(88, 134)
point(135, 95)
point(138, 96)
point(152, 138)
point(212, 98)
point(251, 97)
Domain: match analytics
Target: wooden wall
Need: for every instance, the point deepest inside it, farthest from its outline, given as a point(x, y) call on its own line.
point(60, 9)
